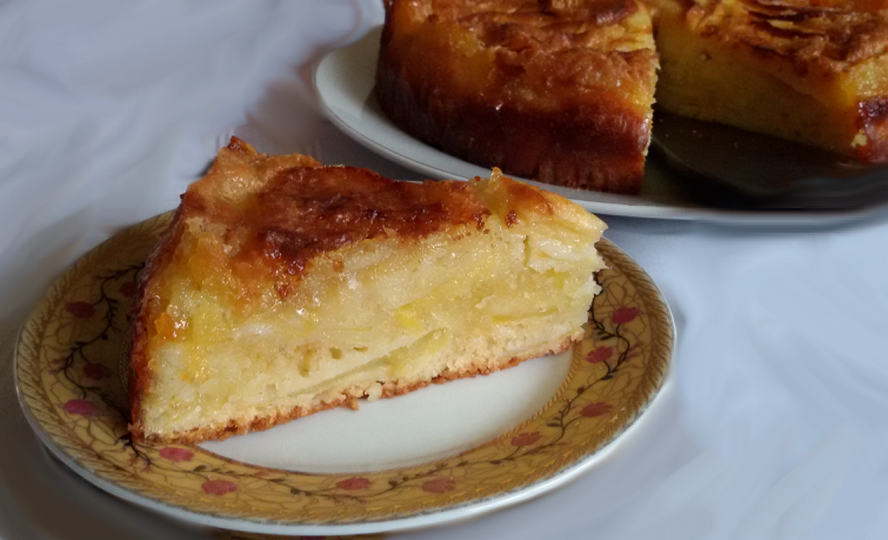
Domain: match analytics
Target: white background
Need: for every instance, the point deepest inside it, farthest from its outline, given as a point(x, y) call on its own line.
point(773, 422)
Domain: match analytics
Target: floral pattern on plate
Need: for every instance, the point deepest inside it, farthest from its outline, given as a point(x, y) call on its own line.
point(71, 374)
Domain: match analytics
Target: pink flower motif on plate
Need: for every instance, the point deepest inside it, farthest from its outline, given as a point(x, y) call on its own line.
point(599, 354)
point(81, 310)
point(526, 439)
point(438, 485)
point(176, 454)
point(624, 315)
point(83, 407)
point(218, 487)
point(96, 371)
point(597, 408)
point(129, 288)
point(353, 483)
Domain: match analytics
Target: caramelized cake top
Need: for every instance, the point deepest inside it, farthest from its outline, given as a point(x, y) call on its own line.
point(248, 229)
point(531, 51)
point(294, 208)
point(816, 37)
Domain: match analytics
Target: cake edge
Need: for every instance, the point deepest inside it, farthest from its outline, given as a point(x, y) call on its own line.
point(349, 398)
point(543, 202)
point(492, 134)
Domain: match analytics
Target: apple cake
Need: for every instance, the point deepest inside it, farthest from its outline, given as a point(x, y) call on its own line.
point(284, 287)
point(813, 71)
point(559, 91)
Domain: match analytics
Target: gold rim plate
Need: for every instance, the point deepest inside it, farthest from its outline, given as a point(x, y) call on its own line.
point(72, 387)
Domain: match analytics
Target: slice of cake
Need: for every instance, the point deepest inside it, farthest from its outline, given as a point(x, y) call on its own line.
point(283, 288)
point(556, 91)
point(810, 71)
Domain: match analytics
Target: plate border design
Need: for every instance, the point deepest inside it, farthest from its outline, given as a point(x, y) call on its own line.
point(57, 423)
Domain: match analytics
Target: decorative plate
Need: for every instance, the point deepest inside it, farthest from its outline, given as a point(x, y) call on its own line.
point(345, 78)
point(71, 372)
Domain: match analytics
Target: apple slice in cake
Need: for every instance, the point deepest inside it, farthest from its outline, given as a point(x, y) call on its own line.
point(284, 287)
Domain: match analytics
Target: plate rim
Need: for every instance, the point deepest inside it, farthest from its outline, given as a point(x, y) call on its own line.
point(42, 314)
point(747, 218)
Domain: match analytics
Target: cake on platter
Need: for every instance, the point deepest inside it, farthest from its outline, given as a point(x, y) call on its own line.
point(558, 91)
point(563, 92)
point(284, 287)
point(812, 71)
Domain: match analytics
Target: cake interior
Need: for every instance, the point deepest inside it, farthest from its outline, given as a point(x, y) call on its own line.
point(756, 67)
point(370, 319)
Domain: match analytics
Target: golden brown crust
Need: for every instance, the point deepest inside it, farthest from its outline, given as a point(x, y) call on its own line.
point(814, 37)
point(302, 211)
point(307, 211)
point(271, 215)
point(256, 212)
point(832, 53)
point(555, 91)
point(140, 372)
point(348, 398)
point(279, 212)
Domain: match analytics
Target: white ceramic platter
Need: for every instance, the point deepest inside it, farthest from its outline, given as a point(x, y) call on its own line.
point(344, 80)
point(443, 453)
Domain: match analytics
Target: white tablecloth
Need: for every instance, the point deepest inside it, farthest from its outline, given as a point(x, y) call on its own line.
point(771, 425)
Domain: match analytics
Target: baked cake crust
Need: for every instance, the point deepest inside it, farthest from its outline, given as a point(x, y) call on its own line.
point(257, 232)
point(556, 91)
point(815, 71)
point(815, 37)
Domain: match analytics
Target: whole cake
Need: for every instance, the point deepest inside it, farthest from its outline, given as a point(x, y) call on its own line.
point(559, 91)
point(813, 71)
point(562, 91)
point(284, 287)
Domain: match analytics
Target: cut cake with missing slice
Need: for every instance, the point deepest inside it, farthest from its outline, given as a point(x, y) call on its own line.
point(810, 71)
point(284, 287)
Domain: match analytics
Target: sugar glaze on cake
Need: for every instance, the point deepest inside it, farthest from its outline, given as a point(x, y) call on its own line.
point(284, 287)
point(556, 91)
